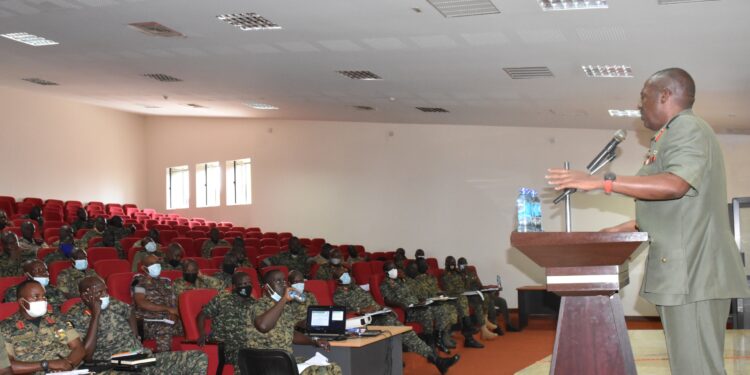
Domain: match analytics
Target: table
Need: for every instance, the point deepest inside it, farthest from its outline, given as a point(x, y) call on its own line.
point(536, 300)
point(379, 355)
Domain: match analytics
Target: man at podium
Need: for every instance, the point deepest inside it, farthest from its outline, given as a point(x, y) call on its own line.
point(693, 268)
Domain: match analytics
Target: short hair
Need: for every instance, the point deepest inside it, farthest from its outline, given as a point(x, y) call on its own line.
point(269, 274)
point(23, 285)
point(678, 82)
point(237, 276)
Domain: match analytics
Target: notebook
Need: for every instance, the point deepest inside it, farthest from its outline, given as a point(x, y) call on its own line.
point(326, 321)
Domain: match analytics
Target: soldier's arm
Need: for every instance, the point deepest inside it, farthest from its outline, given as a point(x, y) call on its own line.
point(391, 299)
point(266, 321)
point(142, 303)
point(132, 323)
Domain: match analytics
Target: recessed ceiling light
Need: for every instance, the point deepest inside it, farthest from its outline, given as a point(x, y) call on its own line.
point(155, 29)
point(464, 8)
point(433, 109)
point(608, 71)
point(548, 5)
point(364, 108)
point(261, 106)
point(162, 77)
point(248, 21)
point(40, 81)
point(29, 39)
point(625, 113)
point(362, 75)
point(195, 105)
point(529, 72)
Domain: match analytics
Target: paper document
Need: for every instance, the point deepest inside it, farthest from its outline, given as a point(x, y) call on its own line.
point(441, 299)
point(474, 293)
point(72, 372)
point(316, 360)
point(126, 354)
point(167, 321)
point(379, 312)
point(421, 304)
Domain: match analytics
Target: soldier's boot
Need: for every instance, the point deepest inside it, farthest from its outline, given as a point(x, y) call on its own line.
point(428, 339)
point(469, 341)
point(443, 364)
point(498, 331)
point(487, 334)
point(447, 340)
point(438, 340)
point(489, 324)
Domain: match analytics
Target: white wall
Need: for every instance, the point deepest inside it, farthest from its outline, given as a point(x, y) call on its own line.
point(56, 148)
point(447, 189)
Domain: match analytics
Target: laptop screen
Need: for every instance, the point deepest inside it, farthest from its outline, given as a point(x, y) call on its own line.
point(326, 320)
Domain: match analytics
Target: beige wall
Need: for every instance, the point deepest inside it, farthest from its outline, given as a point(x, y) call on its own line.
point(56, 148)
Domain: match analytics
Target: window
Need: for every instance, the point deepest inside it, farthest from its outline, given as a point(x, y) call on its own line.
point(207, 184)
point(178, 187)
point(238, 182)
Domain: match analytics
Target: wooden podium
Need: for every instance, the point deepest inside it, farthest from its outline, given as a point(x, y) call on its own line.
point(586, 269)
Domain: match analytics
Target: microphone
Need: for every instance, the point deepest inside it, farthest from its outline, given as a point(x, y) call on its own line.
point(608, 149)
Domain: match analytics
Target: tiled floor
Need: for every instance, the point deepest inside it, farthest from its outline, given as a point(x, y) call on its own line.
point(650, 354)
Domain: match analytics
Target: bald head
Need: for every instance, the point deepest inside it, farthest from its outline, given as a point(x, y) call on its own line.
point(678, 82)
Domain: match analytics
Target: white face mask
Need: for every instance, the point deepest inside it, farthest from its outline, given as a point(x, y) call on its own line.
point(151, 247)
point(81, 264)
point(335, 261)
point(300, 287)
point(36, 308)
point(345, 278)
point(154, 270)
point(42, 280)
point(105, 302)
point(393, 273)
point(461, 267)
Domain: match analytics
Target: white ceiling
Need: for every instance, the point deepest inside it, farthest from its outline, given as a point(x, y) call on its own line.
point(424, 58)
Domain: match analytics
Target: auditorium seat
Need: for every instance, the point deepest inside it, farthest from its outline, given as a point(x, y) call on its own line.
point(284, 235)
point(268, 269)
point(7, 309)
point(195, 234)
point(269, 250)
point(53, 224)
point(432, 263)
point(191, 303)
point(166, 236)
point(49, 232)
point(49, 215)
point(253, 235)
point(361, 272)
point(79, 233)
point(108, 267)
point(7, 282)
point(232, 234)
point(44, 251)
point(254, 242)
point(220, 251)
point(55, 268)
point(171, 274)
point(203, 263)
point(118, 286)
point(93, 242)
point(96, 254)
point(187, 245)
point(69, 303)
point(8, 207)
point(321, 290)
point(128, 242)
point(317, 242)
point(376, 267)
point(314, 270)
point(273, 235)
point(34, 201)
point(217, 261)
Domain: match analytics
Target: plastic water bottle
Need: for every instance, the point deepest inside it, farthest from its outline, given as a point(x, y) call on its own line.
point(297, 295)
point(523, 204)
point(536, 212)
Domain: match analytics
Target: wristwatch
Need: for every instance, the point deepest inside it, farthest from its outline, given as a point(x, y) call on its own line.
point(609, 178)
point(45, 366)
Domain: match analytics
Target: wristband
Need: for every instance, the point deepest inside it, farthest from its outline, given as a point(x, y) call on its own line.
point(609, 179)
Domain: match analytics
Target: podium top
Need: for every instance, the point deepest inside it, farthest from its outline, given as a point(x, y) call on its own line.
point(577, 249)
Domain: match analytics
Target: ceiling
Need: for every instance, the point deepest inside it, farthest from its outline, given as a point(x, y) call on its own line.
point(424, 58)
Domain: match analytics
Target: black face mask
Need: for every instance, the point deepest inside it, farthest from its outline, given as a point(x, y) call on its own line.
point(174, 262)
point(244, 291)
point(228, 268)
point(2, 226)
point(412, 272)
point(190, 277)
point(422, 267)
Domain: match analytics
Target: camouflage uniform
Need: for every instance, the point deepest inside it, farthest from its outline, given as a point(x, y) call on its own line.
point(426, 286)
point(84, 241)
point(56, 244)
point(114, 335)
point(326, 271)
point(300, 308)
point(4, 360)
point(281, 335)
point(57, 256)
point(209, 245)
point(399, 291)
point(55, 298)
point(121, 253)
point(356, 259)
point(320, 259)
point(355, 298)
point(230, 315)
point(158, 291)
point(81, 224)
point(68, 279)
point(492, 301)
point(165, 266)
point(292, 262)
point(26, 342)
point(225, 278)
point(203, 282)
point(141, 254)
point(9, 267)
point(29, 249)
point(454, 285)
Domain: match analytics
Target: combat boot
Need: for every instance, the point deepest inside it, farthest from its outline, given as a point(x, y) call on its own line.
point(439, 344)
point(447, 340)
point(469, 341)
point(443, 364)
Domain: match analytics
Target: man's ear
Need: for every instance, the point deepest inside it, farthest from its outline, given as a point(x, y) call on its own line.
point(664, 95)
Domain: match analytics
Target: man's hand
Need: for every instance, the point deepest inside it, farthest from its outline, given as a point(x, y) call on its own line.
point(628, 226)
point(59, 365)
point(96, 306)
point(323, 344)
point(566, 179)
point(173, 311)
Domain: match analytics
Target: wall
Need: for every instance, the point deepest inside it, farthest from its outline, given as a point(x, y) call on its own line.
point(56, 148)
point(447, 189)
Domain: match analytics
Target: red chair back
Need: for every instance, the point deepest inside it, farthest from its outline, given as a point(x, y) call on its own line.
point(216, 262)
point(254, 242)
point(314, 270)
point(220, 251)
point(191, 303)
point(361, 272)
point(131, 253)
point(269, 250)
point(321, 290)
point(43, 252)
point(55, 268)
point(166, 236)
point(187, 245)
point(269, 242)
point(375, 281)
point(93, 241)
point(284, 269)
point(376, 267)
point(128, 242)
point(7, 282)
point(96, 254)
point(171, 274)
point(68, 304)
point(7, 309)
point(118, 286)
point(106, 267)
point(432, 263)
point(203, 263)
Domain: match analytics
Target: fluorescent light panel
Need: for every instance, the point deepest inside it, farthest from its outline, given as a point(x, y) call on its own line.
point(30, 39)
point(551, 5)
point(248, 21)
point(261, 106)
point(625, 113)
point(608, 71)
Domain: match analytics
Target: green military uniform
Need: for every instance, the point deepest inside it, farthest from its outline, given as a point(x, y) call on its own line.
point(356, 259)
point(54, 257)
point(209, 245)
point(165, 266)
point(68, 279)
point(202, 282)
point(27, 342)
point(82, 224)
point(142, 254)
point(230, 319)
point(693, 262)
point(84, 241)
point(55, 298)
point(492, 302)
point(9, 267)
point(158, 291)
point(225, 278)
point(56, 244)
point(4, 360)
point(327, 270)
point(281, 335)
point(114, 335)
point(356, 298)
point(291, 261)
point(300, 308)
point(320, 259)
point(426, 286)
point(399, 291)
point(454, 285)
point(29, 249)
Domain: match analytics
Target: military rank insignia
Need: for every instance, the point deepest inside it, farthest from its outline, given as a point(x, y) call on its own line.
point(60, 334)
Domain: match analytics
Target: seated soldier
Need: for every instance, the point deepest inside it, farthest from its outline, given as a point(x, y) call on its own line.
point(230, 317)
point(322, 257)
point(120, 231)
point(100, 225)
point(35, 269)
point(150, 248)
point(228, 266)
point(108, 327)
point(491, 304)
point(66, 245)
point(108, 240)
point(297, 281)
point(335, 262)
point(354, 256)
point(419, 254)
point(10, 258)
point(454, 285)
point(274, 320)
point(154, 301)
point(238, 249)
point(67, 280)
point(399, 259)
point(38, 341)
point(153, 235)
point(173, 258)
point(35, 215)
point(425, 286)
point(212, 241)
point(4, 221)
point(294, 259)
point(28, 244)
point(82, 220)
point(5, 368)
point(356, 299)
point(193, 279)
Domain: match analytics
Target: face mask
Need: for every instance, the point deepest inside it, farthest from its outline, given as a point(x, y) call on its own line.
point(228, 268)
point(452, 267)
point(154, 270)
point(393, 273)
point(81, 264)
point(461, 267)
point(190, 277)
point(412, 273)
point(420, 256)
point(274, 296)
point(300, 287)
point(67, 249)
point(151, 247)
point(335, 261)
point(42, 280)
point(174, 262)
point(245, 291)
point(36, 308)
point(345, 278)
point(422, 267)
point(105, 302)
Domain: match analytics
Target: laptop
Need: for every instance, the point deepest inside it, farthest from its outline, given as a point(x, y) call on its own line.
point(327, 322)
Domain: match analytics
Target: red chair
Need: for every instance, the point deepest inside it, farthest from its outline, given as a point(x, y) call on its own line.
point(269, 250)
point(216, 262)
point(195, 234)
point(314, 270)
point(128, 242)
point(317, 242)
point(233, 234)
point(51, 216)
point(432, 263)
point(321, 290)
point(34, 201)
point(253, 229)
point(79, 233)
point(131, 253)
point(166, 236)
point(220, 251)
point(273, 235)
point(283, 269)
point(361, 272)
point(7, 282)
point(259, 260)
point(269, 242)
point(93, 242)
point(181, 229)
point(7, 309)
point(191, 303)
point(375, 281)
point(254, 242)
point(118, 286)
point(108, 267)
point(251, 252)
point(376, 267)
point(55, 268)
point(140, 233)
point(253, 235)
point(161, 227)
point(43, 252)
point(187, 245)
point(171, 274)
point(68, 304)
point(198, 245)
point(96, 254)
point(23, 208)
point(203, 263)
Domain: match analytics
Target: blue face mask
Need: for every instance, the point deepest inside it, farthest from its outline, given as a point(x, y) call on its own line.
point(275, 296)
point(345, 278)
point(67, 249)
